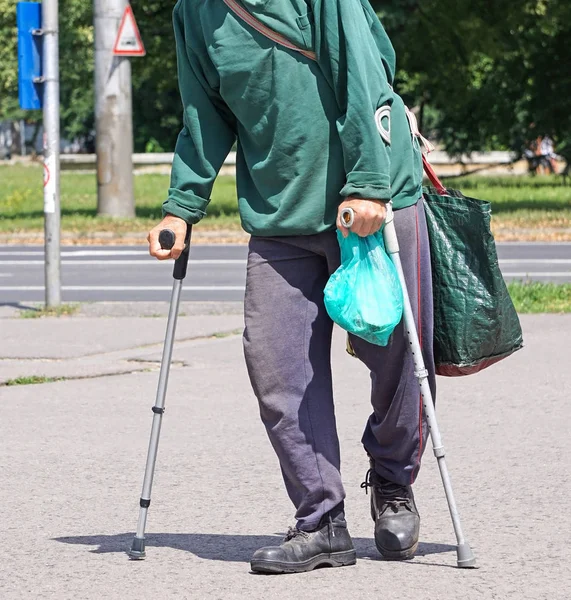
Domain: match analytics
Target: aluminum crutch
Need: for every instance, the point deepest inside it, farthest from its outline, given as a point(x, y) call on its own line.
point(166, 240)
point(466, 558)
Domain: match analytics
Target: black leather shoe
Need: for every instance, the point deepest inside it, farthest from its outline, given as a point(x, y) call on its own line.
point(397, 522)
point(329, 545)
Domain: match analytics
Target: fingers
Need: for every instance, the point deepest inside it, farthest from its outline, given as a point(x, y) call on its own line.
point(154, 246)
point(178, 227)
point(178, 247)
point(367, 224)
point(364, 228)
point(375, 224)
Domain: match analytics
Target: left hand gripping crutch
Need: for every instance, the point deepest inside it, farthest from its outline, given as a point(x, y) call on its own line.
point(465, 556)
point(166, 240)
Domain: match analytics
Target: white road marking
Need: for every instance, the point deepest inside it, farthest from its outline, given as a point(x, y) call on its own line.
point(117, 250)
point(104, 253)
point(77, 253)
point(243, 261)
point(536, 261)
point(125, 288)
point(537, 244)
point(150, 261)
point(22, 253)
point(537, 274)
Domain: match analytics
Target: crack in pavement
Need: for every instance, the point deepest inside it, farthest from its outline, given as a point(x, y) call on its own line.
point(72, 378)
point(117, 362)
point(150, 346)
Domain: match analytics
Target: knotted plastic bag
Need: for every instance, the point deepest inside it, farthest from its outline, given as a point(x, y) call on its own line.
point(364, 295)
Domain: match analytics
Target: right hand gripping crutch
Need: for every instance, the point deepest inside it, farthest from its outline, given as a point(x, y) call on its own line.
point(166, 240)
point(466, 558)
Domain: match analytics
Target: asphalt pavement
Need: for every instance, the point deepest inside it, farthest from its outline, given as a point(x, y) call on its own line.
point(122, 273)
point(73, 453)
point(216, 272)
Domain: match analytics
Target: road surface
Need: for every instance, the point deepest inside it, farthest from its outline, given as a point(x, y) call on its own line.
point(216, 272)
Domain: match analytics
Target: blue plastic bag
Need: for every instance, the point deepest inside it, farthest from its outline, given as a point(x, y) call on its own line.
point(364, 295)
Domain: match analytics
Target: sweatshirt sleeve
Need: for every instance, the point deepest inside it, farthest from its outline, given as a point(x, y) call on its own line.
point(205, 140)
point(350, 60)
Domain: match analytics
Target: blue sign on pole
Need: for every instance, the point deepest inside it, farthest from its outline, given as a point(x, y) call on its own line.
point(29, 19)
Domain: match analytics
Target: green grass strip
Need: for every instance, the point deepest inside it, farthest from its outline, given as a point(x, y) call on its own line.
point(31, 379)
point(536, 297)
point(22, 209)
point(64, 310)
point(521, 201)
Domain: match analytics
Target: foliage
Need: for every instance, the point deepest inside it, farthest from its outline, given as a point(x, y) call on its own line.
point(482, 74)
point(491, 73)
point(156, 104)
point(9, 62)
point(76, 66)
point(157, 110)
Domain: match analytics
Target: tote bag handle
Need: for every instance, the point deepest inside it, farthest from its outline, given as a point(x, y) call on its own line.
point(433, 177)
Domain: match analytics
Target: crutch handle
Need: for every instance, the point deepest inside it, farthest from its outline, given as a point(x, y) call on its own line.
point(167, 240)
point(347, 217)
point(389, 231)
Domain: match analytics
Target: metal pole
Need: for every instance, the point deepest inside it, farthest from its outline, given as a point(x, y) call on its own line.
point(51, 152)
point(22, 137)
point(138, 546)
point(166, 240)
point(113, 115)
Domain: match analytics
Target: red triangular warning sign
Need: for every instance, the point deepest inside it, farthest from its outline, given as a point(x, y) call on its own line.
point(128, 42)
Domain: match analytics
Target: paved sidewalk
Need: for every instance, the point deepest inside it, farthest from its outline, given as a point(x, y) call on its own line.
point(73, 456)
point(105, 339)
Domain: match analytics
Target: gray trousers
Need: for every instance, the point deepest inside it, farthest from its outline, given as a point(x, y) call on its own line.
point(287, 345)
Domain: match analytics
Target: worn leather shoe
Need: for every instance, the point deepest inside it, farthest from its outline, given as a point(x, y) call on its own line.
point(329, 545)
point(397, 522)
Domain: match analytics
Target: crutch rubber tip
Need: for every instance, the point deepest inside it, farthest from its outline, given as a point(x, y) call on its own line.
point(466, 558)
point(137, 551)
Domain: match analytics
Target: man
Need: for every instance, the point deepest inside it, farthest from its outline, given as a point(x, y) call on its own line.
point(308, 147)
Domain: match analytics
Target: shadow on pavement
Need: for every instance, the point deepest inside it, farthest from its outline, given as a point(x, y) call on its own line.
point(231, 548)
point(19, 306)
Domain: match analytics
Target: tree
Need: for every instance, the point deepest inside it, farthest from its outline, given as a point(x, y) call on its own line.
point(9, 108)
point(157, 109)
point(490, 74)
point(482, 74)
point(76, 67)
point(156, 101)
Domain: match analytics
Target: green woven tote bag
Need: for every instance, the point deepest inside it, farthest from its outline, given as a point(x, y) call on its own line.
point(475, 321)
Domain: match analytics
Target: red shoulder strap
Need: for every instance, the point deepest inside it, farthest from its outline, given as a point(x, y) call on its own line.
point(433, 177)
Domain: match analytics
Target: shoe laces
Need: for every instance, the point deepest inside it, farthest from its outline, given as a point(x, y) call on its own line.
point(391, 494)
point(294, 532)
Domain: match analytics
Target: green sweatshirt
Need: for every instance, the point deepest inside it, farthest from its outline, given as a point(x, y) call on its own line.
point(306, 132)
